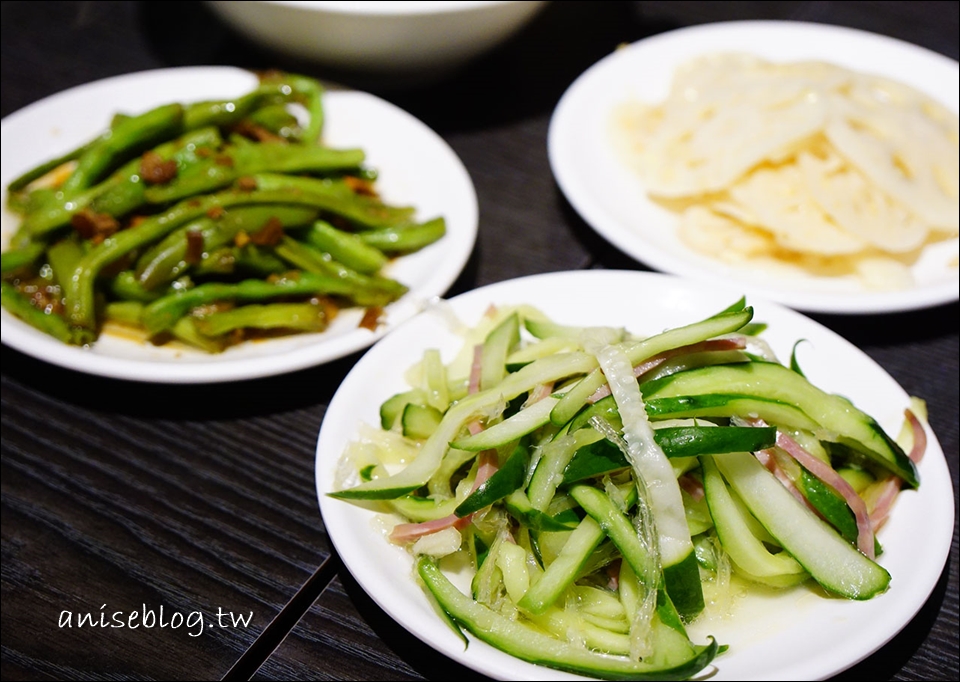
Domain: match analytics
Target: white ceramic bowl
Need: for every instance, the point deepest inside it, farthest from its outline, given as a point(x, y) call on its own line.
point(393, 37)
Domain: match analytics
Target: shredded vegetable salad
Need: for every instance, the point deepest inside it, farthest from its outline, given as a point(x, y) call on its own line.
point(605, 488)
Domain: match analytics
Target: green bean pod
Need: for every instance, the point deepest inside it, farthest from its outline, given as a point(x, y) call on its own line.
point(48, 323)
point(129, 137)
point(63, 257)
point(163, 313)
point(238, 161)
point(292, 316)
point(406, 238)
point(346, 247)
point(311, 260)
point(336, 197)
point(166, 260)
point(276, 119)
point(80, 288)
point(11, 261)
point(123, 191)
point(126, 287)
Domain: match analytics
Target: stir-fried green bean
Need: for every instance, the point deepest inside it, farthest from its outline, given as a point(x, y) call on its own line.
point(130, 136)
point(301, 316)
point(19, 305)
point(164, 312)
point(205, 221)
point(405, 238)
point(11, 261)
point(169, 258)
point(238, 162)
point(346, 247)
point(124, 190)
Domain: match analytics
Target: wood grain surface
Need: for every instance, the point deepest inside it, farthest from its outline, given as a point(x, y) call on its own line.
point(119, 496)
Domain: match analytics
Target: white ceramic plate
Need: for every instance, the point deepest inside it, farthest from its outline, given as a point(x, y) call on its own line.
point(611, 198)
point(416, 166)
point(796, 636)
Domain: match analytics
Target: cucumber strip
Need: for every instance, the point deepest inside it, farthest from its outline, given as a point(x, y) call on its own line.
point(392, 407)
point(540, 349)
point(605, 408)
point(486, 582)
point(543, 328)
point(676, 441)
point(723, 323)
point(431, 454)
point(727, 405)
point(561, 622)
point(693, 441)
point(594, 459)
point(518, 505)
point(438, 485)
point(531, 644)
point(835, 564)
point(510, 429)
point(698, 514)
point(681, 581)
point(554, 458)
point(771, 381)
point(435, 380)
point(512, 562)
point(653, 472)
point(497, 346)
point(506, 480)
point(563, 570)
point(706, 552)
point(611, 625)
point(832, 507)
point(419, 421)
point(748, 554)
point(642, 559)
point(598, 602)
point(419, 509)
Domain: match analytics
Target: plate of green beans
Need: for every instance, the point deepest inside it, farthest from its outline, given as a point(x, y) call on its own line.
point(210, 224)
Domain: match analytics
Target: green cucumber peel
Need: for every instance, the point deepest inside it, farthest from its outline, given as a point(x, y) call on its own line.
point(725, 322)
point(532, 645)
point(519, 507)
point(565, 568)
point(513, 428)
point(734, 307)
point(721, 405)
point(681, 582)
point(506, 480)
point(419, 421)
point(499, 343)
point(748, 554)
point(771, 381)
point(431, 453)
point(832, 561)
point(644, 562)
point(392, 407)
point(419, 509)
point(603, 456)
point(794, 363)
point(832, 507)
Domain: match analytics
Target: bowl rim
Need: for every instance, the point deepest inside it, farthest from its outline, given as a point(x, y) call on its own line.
point(393, 8)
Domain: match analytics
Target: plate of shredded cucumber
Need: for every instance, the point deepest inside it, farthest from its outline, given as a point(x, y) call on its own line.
point(622, 475)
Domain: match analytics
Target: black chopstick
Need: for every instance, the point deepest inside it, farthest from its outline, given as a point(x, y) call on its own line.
point(284, 622)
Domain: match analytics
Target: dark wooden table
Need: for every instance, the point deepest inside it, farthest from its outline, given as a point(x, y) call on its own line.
point(127, 496)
